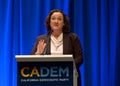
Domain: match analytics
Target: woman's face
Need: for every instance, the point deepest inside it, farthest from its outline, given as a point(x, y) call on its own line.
point(57, 21)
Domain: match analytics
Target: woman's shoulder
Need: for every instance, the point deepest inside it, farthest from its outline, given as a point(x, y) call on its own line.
point(73, 35)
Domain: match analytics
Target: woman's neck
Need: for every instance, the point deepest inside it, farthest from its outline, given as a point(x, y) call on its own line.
point(56, 34)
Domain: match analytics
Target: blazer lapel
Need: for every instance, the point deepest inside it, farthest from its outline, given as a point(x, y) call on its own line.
point(65, 43)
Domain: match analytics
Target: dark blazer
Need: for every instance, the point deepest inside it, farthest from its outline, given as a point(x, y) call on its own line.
point(71, 45)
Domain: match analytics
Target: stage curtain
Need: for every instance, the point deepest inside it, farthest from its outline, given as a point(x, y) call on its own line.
point(97, 23)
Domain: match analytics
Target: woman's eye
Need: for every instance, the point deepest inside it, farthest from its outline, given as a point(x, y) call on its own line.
point(59, 18)
point(56, 19)
point(53, 18)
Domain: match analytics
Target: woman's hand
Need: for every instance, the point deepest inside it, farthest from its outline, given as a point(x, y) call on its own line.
point(40, 47)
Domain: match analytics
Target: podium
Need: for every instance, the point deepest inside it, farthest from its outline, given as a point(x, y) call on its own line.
point(46, 70)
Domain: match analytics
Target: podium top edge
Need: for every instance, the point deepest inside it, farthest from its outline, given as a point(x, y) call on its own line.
point(38, 56)
point(32, 58)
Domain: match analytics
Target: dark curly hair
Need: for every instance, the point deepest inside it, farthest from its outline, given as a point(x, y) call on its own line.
point(66, 27)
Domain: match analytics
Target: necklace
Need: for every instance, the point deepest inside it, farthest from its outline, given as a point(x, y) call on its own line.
point(56, 45)
point(57, 42)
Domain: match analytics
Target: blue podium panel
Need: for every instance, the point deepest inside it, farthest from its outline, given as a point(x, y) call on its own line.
point(46, 73)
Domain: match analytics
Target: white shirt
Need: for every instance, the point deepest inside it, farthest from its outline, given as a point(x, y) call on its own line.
point(57, 45)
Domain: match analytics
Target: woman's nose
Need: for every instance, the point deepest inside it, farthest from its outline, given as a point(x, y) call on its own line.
point(56, 20)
